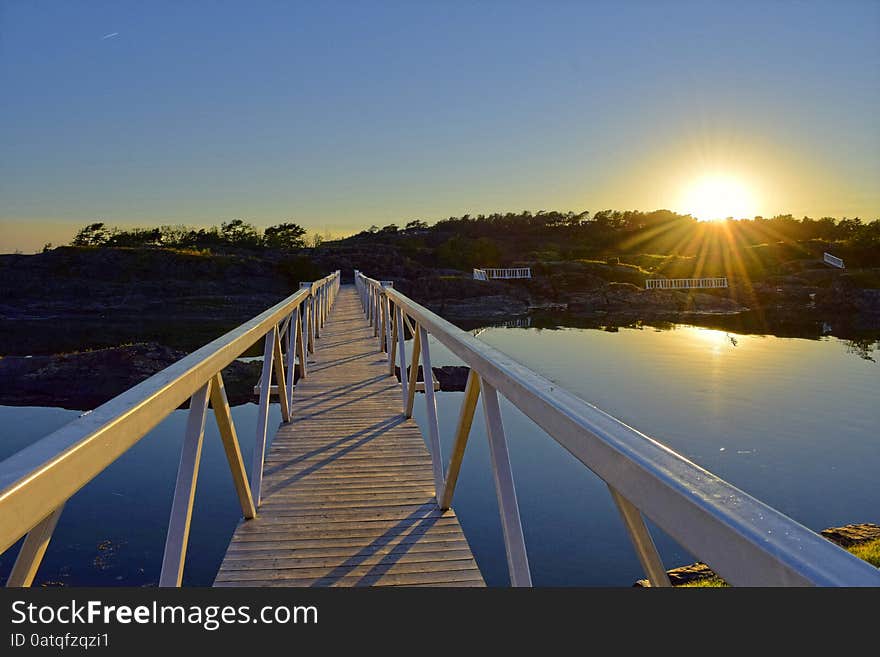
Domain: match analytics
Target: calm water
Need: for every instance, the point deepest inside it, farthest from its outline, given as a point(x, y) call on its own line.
point(793, 422)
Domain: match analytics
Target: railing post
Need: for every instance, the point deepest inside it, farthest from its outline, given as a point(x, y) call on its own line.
point(511, 525)
point(377, 312)
point(262, 418)
point(388, 319)
point(401, 349)
point(431, 419)
point(392, 342)
point(301, 341)
point(30, 556)
point(316, 308)
point(292, 338)
point(311, 340)
point(185, 490)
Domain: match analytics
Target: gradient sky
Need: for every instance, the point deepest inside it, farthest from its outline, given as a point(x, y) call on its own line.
point(342, 115)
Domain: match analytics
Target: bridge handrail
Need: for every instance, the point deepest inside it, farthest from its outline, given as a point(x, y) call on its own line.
point(743, 540)
point(36, 482)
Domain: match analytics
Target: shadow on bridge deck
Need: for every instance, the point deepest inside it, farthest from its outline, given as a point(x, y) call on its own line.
point(348, 492)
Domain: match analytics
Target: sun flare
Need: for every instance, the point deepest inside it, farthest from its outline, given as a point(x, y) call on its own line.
point(716, 197)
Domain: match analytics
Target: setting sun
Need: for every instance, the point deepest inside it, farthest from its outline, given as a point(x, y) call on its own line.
point(716, 197)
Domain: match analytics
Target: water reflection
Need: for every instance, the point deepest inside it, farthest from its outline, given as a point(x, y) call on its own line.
point(790, 420)
point(859, 342)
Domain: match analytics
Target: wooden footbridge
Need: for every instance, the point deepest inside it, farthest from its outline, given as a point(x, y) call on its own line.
point(350, 493)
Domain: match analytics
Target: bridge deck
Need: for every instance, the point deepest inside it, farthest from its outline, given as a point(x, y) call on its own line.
point(348, 494)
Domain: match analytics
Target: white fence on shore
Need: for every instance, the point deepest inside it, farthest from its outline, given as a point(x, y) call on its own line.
point(834, 261)
point(485, 273)
point(684, 283)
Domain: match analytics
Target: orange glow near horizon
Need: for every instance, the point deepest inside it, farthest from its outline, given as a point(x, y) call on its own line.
point(715, 197)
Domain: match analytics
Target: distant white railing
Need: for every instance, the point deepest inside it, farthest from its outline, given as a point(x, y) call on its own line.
point(834, 261)
point(36, 482)
point(684, 283)
point(745, 541)
point(486, 273)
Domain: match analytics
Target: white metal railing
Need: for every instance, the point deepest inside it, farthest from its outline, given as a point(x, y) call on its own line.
point(485, 273)
point(36, 482)
point(685, 283)
point(745, 541)
point(834, 261)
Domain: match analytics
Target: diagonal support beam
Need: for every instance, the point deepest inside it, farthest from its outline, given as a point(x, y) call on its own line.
point(32, 550)
point(292, 331)
point(262, 418)
point(301, 342)
point(223, 415)
point(641, 540)
point(413, 372)
point(392, 352)
point(401, 347)
point(279, 377)
point(462, 431)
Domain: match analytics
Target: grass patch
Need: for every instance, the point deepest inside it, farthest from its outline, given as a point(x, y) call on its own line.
point(705, 583)
point(868, 551)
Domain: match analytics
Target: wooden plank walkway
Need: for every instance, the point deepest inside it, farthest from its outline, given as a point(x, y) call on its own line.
point(348, 492)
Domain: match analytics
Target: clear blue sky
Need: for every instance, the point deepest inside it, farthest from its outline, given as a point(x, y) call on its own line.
point(342, 115)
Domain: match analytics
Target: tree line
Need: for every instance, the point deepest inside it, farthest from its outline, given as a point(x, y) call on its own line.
point(629, 221)
point(235, 233)
point(500, 239)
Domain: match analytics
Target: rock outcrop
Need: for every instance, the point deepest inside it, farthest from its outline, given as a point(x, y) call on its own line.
point(845, 536)
point(84, 380)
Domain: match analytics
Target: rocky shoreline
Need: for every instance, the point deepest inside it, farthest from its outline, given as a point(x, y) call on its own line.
point(78, 326)
point(84, 380)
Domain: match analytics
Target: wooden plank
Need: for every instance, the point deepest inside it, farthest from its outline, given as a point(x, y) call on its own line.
point(388, 578)
point(275, 542)
point(265, 530)
point(348, 487)
point(330, 556)
point(405, 565)
point(282, 536)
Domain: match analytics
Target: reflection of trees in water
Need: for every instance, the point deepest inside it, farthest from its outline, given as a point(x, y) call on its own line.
point(863, 348)
point(857, 342)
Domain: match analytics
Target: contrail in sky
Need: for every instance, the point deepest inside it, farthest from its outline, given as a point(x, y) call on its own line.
point(110, 36)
